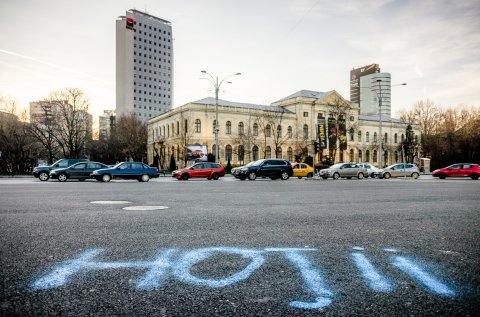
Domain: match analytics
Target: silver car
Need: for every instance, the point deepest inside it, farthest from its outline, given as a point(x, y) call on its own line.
point(400, 170)
point(372, 171)
point(347, 170)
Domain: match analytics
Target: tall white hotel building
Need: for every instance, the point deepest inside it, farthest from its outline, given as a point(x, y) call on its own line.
point(144, 65)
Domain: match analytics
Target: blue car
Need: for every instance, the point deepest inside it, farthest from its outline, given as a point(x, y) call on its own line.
point(126, 170)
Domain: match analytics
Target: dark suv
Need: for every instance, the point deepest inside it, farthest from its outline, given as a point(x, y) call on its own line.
point(43, 172)
point(273, 168)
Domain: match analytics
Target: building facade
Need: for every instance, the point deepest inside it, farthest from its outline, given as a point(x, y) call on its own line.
point(285, 129)
point(106, 123)
point(144, 65)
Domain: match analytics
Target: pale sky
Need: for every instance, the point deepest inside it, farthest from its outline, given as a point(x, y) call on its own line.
point(279, 46)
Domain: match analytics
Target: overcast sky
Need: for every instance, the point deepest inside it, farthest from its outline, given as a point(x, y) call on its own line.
point(279, 46)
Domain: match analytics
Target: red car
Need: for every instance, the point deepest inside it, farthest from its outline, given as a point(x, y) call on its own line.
point(458, 170)
point(200, 170)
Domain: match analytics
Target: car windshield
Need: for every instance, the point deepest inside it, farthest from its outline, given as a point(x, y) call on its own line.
point(336, 166)
point(118, 165)
point(258, 163)
point(391, 166)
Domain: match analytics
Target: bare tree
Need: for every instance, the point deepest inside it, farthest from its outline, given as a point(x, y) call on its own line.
point(131, 136)
point(338, 110)
point(43, 128)
point(246, 140)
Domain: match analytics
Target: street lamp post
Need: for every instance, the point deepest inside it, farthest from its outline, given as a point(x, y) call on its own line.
point(216, 85)
point(379, 96)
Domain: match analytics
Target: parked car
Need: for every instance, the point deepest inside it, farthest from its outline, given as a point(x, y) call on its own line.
point(43, 172)
point(80, 171)
point(273, 168)
point(347, 170)
point(458, 170)
point(126, 170)
point(302, 170)
point(236, 170)
point(372, 171)
point(400, 170)
point(200, 170)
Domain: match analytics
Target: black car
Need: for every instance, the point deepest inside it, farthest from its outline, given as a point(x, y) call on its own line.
point(43, 172)
point(126, 170)
point(273, 168)
point(80, 171)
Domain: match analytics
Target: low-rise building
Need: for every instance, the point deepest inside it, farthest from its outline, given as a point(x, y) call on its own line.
point(285, 129)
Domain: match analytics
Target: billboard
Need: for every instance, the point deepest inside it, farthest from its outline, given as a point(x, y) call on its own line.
point(197, 152)
point(355, 75)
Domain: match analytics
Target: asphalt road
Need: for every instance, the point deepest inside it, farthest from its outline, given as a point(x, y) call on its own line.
point(397, 247)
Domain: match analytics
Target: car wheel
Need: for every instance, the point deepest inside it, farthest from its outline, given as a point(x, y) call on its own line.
point(185, 177)
point(43, 176)
point(442, 176)
point(415, 175)
point(144, 178)
point(372, 175)
point(336, 176)
point(386, 175)
point(106, 178)
point(62, 177)
point(215, 176)
point(310, 175)
point(252, 176)
point(474, 176)
point(284, 176)
point(360, 176)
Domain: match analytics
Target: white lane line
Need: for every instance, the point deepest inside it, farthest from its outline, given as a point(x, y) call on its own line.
point(141, 208)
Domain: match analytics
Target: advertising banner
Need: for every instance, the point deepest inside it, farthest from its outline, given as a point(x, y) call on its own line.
point(333, 134)
point(196, 152)
point(321, 133)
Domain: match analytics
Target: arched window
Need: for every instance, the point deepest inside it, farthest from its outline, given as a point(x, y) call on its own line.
point(268, 152)
point(279, 132)
point(241, 153)
point(228, 127)
point(367, 155)
point(255, 129)
point(403, 138)
point(374, 137)
point(214, 125)
point(178, 128)
point(375, 156)
point(168, 130)
point(173, 129)
point(385, 158)
point(385, 138)
point(279, 153)
point(198, 126)
point(367, 137)
point(240, 128)
point(352, 132)
point(360, 158)
point(213, 150)
point(395, 139)
point(305, 131)
point(352, 156)
point(255, 153)
point(289, 131)
point(395, 156)
point(228, 153)
point(290, 154)
point(359, 136)
point(268, 131)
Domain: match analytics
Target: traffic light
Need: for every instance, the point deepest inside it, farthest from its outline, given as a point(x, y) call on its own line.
point(316, 146)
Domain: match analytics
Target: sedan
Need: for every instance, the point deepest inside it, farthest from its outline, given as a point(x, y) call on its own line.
point(126, 170)
point(372, 171)
point(400, 170)
point(80, 171)
point(347, 170)
point(458, 170)
point(302, 170)
point(200, 170)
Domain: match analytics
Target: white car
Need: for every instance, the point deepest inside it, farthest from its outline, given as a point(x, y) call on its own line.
point(372, 171)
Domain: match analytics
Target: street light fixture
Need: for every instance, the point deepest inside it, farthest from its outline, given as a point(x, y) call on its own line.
point(216, 85)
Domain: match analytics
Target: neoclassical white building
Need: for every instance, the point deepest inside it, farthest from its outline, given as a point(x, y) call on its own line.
point(285, 129)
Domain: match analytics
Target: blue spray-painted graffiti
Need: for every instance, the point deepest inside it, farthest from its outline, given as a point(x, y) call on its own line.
point(177, 264)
